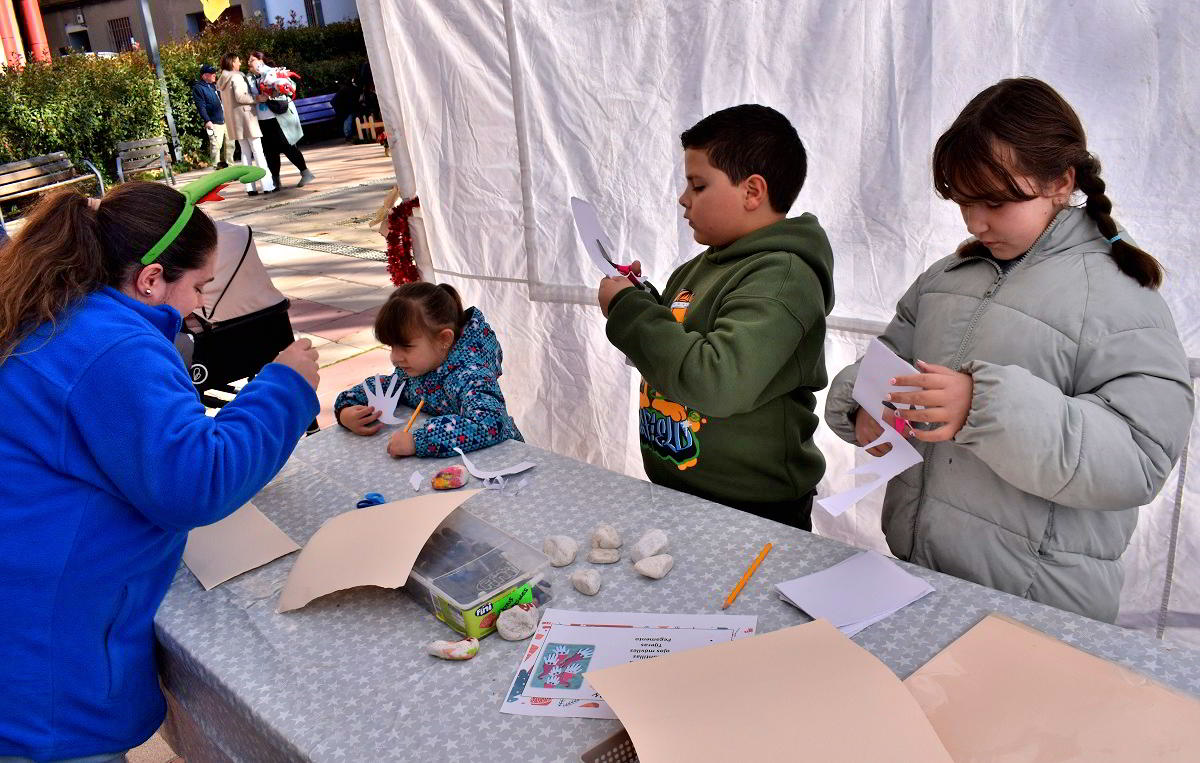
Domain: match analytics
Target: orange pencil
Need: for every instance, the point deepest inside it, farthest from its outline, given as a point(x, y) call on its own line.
point(413, 418)
point(754, 566)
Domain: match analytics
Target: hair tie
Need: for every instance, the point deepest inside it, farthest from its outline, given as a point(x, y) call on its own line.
point(1115, 239)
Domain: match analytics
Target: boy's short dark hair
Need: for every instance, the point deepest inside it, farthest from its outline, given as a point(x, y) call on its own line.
point(753, 140)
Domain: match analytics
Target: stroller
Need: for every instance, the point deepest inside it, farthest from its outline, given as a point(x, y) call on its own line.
point(243, 324)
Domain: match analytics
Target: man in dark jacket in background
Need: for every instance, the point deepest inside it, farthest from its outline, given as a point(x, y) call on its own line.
point(208, 105)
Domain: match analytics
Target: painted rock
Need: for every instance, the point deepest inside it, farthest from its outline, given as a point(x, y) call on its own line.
point(450, 478)
point(454, 650)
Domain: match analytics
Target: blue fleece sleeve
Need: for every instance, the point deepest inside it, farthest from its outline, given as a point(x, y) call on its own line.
point(480, 422)
point(144, 425)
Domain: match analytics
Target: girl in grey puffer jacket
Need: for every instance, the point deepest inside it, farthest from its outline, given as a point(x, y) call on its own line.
point(1052, 377)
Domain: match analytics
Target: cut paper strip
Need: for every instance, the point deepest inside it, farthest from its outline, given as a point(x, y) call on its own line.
point(878, 366)
point(800, 692)
point(484, 474)
point(242, 541)
point(385, 398)
point(416, 480)
point(1004, 691)
point(902, 456)
point(856, 592)
point(372, 546)
point(587, 222)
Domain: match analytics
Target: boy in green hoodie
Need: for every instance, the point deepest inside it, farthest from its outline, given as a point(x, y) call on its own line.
point(733, 354)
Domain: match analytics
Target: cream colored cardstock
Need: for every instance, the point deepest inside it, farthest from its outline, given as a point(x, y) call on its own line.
point(1004, 691)
point(373, 546)
point(242, 541)
point(801, 693)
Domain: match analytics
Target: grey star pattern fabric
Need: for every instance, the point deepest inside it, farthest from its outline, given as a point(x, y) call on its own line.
point(347, 678)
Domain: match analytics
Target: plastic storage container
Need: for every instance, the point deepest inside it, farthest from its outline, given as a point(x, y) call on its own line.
point(470, 571)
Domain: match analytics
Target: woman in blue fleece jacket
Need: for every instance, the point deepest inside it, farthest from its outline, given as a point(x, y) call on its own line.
point(444, 355)
point(109, 459)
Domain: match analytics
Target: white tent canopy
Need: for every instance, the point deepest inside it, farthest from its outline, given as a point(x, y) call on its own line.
point(501, 110)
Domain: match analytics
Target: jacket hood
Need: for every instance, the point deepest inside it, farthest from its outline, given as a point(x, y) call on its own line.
point(802, 236)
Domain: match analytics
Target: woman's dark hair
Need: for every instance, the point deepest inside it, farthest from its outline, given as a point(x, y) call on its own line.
point(66, 250)
point(417, 309)
point(257, 54)
point(227, 61)
point(1022, 126)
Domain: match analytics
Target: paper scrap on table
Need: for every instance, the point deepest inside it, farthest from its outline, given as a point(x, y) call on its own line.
point(856, 592)
point(1006, 691)
point(385, 398)
point(549, 680)
point(372, 546)
point(807, 690)
point(416, 480)
point(242, 541)
point(486, 475)
point(878, 366)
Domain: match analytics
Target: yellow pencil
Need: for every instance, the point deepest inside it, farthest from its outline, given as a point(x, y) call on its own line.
point(413, 418)
point(754, 566)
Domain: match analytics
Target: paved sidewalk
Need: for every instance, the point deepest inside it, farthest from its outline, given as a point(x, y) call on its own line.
point(321, 252)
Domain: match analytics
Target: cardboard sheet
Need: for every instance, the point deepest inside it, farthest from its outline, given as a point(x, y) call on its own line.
point(1004, 691)
point(372, 546)
point(242, 541)
point(801, 693)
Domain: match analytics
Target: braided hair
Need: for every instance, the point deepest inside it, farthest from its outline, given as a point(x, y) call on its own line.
point(1022, 126)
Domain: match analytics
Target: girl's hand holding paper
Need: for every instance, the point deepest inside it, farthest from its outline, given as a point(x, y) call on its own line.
point(944, 397)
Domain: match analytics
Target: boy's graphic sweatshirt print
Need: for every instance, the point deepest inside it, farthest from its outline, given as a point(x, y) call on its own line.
point(730, 363)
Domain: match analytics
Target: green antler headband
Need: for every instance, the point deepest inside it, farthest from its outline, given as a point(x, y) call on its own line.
point(207, 188)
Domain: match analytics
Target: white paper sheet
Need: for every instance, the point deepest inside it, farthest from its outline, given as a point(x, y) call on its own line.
point(566, 643)
point(856, 592)
point(488, 476)
point(587, 222)
point(242, 541)
point(878, 366)
point(384, 398)
point(416, 480)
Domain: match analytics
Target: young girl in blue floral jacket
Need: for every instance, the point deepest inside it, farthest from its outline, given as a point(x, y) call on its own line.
point(445, 355)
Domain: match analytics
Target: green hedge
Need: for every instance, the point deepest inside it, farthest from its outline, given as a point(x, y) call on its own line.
point(84, 105)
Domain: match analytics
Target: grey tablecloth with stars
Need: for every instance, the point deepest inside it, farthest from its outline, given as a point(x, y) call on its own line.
point(347, 678)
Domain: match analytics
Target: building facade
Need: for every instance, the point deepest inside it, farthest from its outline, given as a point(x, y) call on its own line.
point(99, 26)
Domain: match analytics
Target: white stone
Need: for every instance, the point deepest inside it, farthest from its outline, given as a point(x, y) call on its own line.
point(655, 566)
point(519, 622)
point(561, 549)
point(654, 542)
point(587, 582)
point(604, 555)
point(606, 536)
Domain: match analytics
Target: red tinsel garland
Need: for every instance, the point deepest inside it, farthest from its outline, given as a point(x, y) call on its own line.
point(402, 266)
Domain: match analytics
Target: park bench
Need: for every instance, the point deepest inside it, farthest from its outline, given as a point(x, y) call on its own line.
point(30, 177)
point(315, 110)
point(136, 156)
